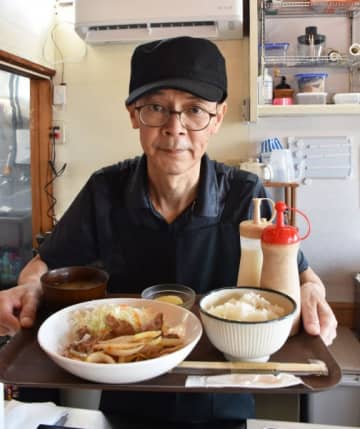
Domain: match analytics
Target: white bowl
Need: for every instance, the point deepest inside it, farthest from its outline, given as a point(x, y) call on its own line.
point(247, 341)
point(53, 334)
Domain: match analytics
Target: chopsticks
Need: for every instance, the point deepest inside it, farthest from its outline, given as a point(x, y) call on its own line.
point(312, 367)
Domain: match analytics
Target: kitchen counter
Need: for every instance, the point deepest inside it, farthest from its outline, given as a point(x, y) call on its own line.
point(346, 350)
point(339, 405)
point(273, 424)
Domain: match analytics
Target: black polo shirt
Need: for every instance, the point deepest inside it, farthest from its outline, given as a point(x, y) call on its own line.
point(112, 221)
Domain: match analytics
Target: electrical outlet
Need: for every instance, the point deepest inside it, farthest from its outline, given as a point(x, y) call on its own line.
point(59, 94)
point(58, 132)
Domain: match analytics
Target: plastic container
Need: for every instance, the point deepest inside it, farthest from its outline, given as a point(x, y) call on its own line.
point(280, 244)
point(347, 98)
point(276, 49)
point(282, 101)
point(267, 87)
point(250, 241)
point(331, 6)
point(311, 97)
point(311, 82)
point(311, 44)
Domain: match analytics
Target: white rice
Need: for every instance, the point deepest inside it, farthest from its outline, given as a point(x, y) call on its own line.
point(250, 307)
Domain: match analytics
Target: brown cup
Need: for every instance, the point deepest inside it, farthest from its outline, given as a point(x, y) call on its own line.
point(71, 285)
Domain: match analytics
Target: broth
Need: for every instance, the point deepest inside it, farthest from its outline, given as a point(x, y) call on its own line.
point(77, 284)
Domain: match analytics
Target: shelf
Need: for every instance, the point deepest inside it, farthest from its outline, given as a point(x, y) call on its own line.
point(304, 8)
point(298, 61)
point(309, 110)
point(340, 65)
point(290, 191)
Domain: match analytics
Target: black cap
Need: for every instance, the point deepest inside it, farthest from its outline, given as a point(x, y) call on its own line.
point(186, 63)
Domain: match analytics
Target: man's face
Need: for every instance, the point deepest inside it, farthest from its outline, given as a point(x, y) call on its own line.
point(171, 149)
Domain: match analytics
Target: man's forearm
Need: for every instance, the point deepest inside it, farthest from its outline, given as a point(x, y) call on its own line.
point(309, 276)
point(32, 271)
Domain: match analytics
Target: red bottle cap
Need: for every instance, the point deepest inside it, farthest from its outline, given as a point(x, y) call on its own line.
point(280, 233)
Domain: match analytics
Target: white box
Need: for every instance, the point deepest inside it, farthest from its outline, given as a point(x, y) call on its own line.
point(347, 98)
point(311, 97)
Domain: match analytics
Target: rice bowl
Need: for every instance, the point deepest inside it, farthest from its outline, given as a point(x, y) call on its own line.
point(247, 340)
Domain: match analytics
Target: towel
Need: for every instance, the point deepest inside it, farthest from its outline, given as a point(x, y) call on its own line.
point(270, 144)
point(258, 381)
point(20, 415)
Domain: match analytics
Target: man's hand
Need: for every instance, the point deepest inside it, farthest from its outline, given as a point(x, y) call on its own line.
point(317, 315)
point(18, 307)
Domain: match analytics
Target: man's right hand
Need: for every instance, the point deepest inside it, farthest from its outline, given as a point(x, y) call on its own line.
point(18, 307)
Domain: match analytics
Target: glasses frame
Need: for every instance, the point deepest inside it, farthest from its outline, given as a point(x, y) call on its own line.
point(172, 112)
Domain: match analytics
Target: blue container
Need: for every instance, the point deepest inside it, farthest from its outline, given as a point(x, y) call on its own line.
point(276, 49)
point(311, 82)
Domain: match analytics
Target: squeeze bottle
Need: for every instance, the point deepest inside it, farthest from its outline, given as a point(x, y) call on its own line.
point(250, 242)
point(280, 244)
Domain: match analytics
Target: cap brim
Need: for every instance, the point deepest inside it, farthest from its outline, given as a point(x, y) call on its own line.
point(197, 88)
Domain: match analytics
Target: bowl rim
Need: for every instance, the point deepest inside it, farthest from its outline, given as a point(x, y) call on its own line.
point(167, 287)
point(46, 284)
point(244, 322)
point(115, 300)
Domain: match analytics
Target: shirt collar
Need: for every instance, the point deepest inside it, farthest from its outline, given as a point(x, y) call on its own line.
point(207, 202)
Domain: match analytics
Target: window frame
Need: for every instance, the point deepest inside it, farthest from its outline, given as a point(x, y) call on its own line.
point(41, 91)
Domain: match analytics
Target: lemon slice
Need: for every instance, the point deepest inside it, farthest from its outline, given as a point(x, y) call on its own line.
point(171, 299)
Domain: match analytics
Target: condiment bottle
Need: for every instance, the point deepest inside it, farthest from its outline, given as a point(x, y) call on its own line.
point(250, 241)
point(280, 245)
point(267, 87)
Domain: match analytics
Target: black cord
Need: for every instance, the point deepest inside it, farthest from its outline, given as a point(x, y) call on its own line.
point(55, 174)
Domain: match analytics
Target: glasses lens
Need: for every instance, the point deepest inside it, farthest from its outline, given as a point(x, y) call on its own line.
point(195, 119)
point(154, 115)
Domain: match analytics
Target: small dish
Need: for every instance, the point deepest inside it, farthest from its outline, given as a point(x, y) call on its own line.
point(172, 293)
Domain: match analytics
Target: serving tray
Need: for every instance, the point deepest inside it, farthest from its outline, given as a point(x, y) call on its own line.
point(23, 363)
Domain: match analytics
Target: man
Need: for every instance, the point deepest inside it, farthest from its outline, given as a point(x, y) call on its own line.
point(170, 216)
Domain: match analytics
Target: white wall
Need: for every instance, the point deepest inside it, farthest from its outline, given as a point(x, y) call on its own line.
point(333, 205)
point(98, 133)
point(97, 125)
point(24, 27)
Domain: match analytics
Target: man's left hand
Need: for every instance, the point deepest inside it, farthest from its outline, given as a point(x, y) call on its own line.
point(317, 315)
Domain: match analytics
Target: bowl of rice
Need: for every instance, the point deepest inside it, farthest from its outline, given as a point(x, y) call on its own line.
point(247, 323)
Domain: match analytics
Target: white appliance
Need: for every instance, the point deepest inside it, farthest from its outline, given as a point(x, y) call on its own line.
point(116, 21)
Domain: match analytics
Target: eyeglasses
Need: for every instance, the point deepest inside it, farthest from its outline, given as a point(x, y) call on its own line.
point(193, 119)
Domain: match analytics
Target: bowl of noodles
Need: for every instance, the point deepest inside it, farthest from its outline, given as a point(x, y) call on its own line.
point(119, 340)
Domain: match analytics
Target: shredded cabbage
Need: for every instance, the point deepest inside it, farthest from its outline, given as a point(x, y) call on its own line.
point(93, 318)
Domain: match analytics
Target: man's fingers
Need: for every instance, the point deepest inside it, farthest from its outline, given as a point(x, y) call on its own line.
point(310, 318)
point(318, 319)
point(9, 326)
point(28, 311)
point(9, 323)
point(328, 323)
